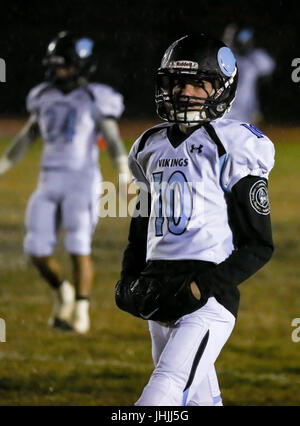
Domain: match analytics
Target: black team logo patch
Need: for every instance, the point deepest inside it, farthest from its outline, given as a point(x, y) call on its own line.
point(259, 199)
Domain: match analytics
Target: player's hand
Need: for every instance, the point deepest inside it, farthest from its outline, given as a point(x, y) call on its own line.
point(125, 176)
point(124, 298)
point(182, 295)
point(140, 297)
point(184, 298)
point(166, 302)
point(5, 165)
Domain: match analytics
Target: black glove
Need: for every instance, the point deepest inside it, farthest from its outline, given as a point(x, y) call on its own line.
point(166, 302)
point(140, 297)
point(179, 299)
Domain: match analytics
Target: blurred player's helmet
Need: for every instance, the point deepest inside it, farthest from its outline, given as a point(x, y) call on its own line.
point(68, 52)
point(196, 58)
point(243, 41)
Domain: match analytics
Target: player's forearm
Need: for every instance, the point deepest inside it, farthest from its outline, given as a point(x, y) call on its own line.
point(20, 145)
point(239, 266)
point(115, 144)
point(134, 259)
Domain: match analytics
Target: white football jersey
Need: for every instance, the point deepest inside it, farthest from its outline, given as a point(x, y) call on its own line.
point(68, 123)
point(188, 184)
point(257, 64)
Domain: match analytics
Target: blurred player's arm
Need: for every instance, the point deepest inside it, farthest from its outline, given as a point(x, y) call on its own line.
point(116, 149)
point(252, 234)
point(20, 145)
point(263, 62)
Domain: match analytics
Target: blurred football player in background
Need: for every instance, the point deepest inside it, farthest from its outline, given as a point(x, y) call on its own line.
point(253, 64)
point(69, 112)
point(208, 228)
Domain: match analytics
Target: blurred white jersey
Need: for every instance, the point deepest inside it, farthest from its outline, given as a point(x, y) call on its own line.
point(70, 181)
point(252, 66)
point(188, 183)
point(68, 123)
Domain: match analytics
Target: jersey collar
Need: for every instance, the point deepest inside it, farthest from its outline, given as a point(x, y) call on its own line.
point(176, 136)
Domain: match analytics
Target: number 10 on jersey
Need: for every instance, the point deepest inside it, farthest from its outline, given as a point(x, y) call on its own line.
point(173, 201)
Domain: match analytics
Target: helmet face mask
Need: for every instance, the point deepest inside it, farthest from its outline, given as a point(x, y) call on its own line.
point(195, 61)
point(69, 60)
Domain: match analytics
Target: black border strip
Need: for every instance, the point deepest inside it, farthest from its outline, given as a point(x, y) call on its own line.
point(146, 136)
point(196, 361)
point(212, 133)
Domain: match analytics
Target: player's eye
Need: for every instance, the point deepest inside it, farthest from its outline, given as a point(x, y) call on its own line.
point(192, 81)
point(199, 83)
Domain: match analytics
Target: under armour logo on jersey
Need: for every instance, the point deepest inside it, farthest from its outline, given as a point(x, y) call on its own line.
point(198, 148)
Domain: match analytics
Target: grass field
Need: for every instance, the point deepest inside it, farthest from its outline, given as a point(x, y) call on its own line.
point(259, 365)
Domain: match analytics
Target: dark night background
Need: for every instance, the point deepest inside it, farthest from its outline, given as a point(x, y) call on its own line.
point(131, 37)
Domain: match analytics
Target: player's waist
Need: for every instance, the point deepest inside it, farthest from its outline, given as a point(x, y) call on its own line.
point(86, 168)
point(48, 173)
point(173, 268)
point(71, 161)
point(215, 252)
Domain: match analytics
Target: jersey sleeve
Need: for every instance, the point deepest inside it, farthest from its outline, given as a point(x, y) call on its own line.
point(248, 152)
point(108, 102)
point(136, 169)
point(33, 98)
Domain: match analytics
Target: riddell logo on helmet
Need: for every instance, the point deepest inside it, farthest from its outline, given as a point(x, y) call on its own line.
point(183, 64)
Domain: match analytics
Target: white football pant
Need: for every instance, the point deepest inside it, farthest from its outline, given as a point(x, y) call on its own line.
point(184, 358)
point(64, 199)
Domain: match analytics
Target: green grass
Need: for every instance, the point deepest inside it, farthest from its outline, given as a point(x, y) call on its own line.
point(259, 365)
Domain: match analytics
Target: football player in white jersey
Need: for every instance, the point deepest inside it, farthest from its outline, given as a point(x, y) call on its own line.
point(205, 181)
point(254, 64)
point(69, 112)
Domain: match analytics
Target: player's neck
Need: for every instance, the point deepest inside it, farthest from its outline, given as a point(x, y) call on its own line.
point(187, 130)
point(66, 86)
